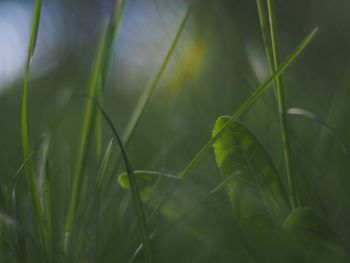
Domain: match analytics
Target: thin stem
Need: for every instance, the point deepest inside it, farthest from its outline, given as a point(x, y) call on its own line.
point(111, 34)
point(199, 156)
point(25, 134)
point(265, 35)
point(148, 92)
point(282, 107)
point(84, 143)
point(97, 83)
point(141, 218)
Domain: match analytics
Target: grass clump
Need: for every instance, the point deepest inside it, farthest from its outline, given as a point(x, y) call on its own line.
point(236, 200)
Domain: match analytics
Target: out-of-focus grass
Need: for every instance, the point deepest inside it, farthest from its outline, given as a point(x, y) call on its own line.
point(188, 221)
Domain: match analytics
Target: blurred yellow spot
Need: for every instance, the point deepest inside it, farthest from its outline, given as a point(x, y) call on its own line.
point(190, 65)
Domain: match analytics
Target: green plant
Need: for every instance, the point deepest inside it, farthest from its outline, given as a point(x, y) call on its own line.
point(110, 210)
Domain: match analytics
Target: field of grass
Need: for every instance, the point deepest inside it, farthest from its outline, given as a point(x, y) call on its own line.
point(175, 131)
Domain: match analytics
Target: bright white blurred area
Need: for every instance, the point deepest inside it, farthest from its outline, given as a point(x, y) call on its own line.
point(14, 19)
point(15, 27)
point(147, 31)
point(145, 35)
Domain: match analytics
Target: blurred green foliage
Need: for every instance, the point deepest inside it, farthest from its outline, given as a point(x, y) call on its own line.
point(210, 75)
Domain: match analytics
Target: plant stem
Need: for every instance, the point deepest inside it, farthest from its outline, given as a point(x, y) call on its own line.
point(25, 134)
point(199, 156)
point(97, 82)
point(111, 33)
point(148, 91)
point(265, 35)
point(86, 132)
point(141, 218)
point(282, 107)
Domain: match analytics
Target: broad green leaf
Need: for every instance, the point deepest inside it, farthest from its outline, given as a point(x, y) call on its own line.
point(160, 191)
point(254, 190)
point(247, 104)
point(181, 203)
point(313, 229)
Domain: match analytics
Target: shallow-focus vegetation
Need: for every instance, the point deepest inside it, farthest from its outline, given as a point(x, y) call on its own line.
point(174, 131)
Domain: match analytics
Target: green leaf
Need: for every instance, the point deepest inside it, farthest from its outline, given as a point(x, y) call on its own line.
point(247, 104)
point(29, 167)
point(145, 179)
point(142, 222)
point(154, 188)
point(254, 190)
point(313, 229)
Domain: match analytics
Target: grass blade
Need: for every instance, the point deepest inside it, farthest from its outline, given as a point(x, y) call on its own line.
point(96, 84)
point(148, 91)
point(265, 34)
point(199, 156)
point(25, 134)
point(21, 168)
point(133, 186)
point(111, 33)
point(282, 107)
point(82, 154)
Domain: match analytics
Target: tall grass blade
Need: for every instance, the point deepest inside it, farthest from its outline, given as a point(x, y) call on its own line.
point(133, 186)
point(83, 148)
point(265, 34)
point(96, 85)
point(25, 134)
point(148, 91)
point(199, 156)
point(282, 107)
point(111, 33)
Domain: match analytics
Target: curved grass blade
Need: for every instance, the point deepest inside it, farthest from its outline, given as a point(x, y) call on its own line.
point(255, 190)
point(199, 156)
point(323, 122)
point(25, 134)
point(134, 188)
point(282, 107)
